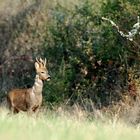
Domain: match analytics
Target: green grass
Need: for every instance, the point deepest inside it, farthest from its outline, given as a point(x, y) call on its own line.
point(54, 127)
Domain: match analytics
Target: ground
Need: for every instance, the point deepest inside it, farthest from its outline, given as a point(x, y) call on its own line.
point(54, 126)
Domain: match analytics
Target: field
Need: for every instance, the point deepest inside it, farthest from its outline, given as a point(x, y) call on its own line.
point(91, 65)
point(52, 126)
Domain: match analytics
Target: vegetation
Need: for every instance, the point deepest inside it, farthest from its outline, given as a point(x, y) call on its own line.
point(94, 61)
point(55, 127)
point(94, 87)
point(89, 62)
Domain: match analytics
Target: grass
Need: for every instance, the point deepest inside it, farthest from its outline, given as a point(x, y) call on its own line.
point(51, 126)
point(54, 125)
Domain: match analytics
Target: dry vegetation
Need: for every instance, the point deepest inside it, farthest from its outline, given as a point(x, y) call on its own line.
point(63, 125)
point(95, 72)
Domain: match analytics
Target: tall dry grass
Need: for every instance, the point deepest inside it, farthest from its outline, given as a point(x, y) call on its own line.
point(54, 126)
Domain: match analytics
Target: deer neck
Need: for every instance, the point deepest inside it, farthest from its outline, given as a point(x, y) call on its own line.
point(38, 86)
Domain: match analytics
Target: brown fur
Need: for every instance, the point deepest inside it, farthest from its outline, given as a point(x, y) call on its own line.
point(29, 99)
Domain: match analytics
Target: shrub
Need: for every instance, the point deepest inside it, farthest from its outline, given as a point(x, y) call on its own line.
point(89, 59)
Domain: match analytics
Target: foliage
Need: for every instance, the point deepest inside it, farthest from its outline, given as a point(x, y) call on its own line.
point(87, 58)
point(94, 58)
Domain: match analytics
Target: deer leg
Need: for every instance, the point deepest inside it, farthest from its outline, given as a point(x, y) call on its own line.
point(35, 110)
point(16, 110)
point(10, 106)
point(12, 110)
point(30, 111)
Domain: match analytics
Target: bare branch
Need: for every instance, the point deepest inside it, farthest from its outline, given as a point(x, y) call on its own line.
point(131, 33)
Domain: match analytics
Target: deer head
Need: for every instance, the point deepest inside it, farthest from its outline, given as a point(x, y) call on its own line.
point(41, 70)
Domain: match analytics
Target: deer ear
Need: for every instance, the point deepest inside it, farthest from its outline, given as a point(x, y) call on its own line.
point(36, 65)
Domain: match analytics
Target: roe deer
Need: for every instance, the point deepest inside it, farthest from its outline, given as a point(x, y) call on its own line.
point(29, 99)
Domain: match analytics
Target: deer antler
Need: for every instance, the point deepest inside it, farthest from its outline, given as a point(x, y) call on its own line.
point(41, 61)
point(37, 60)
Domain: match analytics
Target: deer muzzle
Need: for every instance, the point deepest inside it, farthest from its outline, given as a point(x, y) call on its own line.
point(48, 78)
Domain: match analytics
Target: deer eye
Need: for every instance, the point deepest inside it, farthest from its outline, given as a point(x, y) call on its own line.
point(42, 72)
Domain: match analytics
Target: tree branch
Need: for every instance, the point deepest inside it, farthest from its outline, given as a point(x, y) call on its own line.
point(131, 34)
